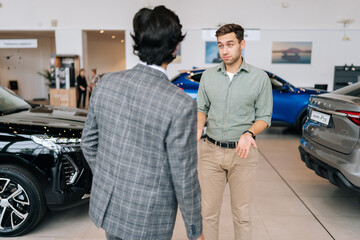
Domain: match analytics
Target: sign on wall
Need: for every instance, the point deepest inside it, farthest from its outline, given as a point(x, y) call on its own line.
point(18, 43)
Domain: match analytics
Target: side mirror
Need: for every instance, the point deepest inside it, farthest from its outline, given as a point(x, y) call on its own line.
point(285, 87)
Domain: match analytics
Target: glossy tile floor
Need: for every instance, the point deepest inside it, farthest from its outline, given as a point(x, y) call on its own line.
point(290, 203)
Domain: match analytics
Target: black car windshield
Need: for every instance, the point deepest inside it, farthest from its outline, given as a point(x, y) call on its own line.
point(352, 90)
point(10, 103)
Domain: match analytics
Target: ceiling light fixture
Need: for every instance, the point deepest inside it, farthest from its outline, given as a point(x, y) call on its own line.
point(113, 36)
point(102, 31)
point(285, 4)
point(148, 5)
point(346, 22)
point(54, 22)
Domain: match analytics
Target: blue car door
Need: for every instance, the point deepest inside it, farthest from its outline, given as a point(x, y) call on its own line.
point(283, 103)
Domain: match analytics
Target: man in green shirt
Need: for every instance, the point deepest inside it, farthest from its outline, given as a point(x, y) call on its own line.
point(235, 99)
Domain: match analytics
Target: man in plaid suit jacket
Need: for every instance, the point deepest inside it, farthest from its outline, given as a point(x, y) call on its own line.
point(140, 141)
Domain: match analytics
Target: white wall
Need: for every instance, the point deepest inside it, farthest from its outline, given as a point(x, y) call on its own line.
point(118, 14)
point(306, 20)
point(23, 66)
point(328, 50)
point(69, 42)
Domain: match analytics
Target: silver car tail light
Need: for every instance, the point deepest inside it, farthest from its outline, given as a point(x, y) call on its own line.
point(353, 116)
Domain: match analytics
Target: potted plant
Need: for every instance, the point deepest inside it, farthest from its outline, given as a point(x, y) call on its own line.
point(47, 75)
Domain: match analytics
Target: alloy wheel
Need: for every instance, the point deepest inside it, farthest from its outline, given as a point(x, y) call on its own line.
point(14, 205)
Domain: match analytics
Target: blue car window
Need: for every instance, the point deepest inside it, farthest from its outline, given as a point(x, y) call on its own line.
point(276, 84)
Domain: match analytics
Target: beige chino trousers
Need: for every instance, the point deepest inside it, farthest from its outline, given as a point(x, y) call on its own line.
point(217, 166)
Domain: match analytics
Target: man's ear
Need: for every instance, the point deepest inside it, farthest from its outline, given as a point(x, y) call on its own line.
point(242, 44)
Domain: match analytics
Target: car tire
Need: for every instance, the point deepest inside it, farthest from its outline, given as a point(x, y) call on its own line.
point(22, 202)
point(302, 121)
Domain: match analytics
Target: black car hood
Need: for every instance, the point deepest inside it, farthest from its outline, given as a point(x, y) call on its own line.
point(45, 119)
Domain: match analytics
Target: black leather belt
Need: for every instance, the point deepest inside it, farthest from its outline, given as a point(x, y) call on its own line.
point(223, 144)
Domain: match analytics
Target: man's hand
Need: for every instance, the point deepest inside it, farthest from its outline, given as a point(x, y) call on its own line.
point(244, 144)
point(201, 237)
point(82, 88)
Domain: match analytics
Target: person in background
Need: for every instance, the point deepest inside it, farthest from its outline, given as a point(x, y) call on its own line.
point(81, 88)
point(235, 99)
point(141, 149)
point(95, 78)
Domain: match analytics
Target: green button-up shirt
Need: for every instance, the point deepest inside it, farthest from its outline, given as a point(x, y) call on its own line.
point(233, 106)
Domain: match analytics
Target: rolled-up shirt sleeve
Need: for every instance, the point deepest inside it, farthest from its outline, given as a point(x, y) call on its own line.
point(264, 102)
point(203, 102)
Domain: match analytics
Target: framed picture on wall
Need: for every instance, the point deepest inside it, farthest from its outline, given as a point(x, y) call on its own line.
point(212, 52)
point(291, 52)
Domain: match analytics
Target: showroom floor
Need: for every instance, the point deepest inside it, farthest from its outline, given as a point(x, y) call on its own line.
point(290, 203)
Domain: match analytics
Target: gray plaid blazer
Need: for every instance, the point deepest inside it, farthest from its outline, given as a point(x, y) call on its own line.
point(140, 142)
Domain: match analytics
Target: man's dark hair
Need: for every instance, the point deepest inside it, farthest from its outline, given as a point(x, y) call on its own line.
point(229, 28)
point(156, 34)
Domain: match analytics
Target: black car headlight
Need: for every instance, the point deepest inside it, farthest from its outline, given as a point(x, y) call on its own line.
point(65, 147)
point(57, 144)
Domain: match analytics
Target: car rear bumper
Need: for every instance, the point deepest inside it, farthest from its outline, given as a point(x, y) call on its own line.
point(326, 171)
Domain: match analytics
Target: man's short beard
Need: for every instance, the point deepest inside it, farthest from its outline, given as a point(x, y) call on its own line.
point(232, 62)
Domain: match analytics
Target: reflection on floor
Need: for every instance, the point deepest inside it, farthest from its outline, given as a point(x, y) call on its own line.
point(290, 203)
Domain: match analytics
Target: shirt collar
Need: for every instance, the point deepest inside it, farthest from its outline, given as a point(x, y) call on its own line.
point(155, 67)
point(244, 66)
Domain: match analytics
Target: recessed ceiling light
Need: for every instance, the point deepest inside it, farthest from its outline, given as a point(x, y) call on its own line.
point(102, 31)
point(113, 36)
point(122, 41)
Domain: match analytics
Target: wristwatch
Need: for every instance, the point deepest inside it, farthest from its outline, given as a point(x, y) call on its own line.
point(252, 134)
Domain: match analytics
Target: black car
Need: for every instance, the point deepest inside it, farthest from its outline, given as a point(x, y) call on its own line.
point(41, 164)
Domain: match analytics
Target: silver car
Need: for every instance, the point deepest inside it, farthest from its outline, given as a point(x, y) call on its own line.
point(330, 142)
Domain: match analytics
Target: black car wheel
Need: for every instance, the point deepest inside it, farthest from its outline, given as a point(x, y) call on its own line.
point(301, 120)
point(22, 204)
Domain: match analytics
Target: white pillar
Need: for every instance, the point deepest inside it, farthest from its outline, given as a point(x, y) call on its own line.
point(131, 58)
point(69, 42)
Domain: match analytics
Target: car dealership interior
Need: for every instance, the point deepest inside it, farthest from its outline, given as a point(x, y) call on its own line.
point(308, 178)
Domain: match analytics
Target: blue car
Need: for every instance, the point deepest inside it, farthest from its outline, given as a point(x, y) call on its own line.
point(290, 103)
